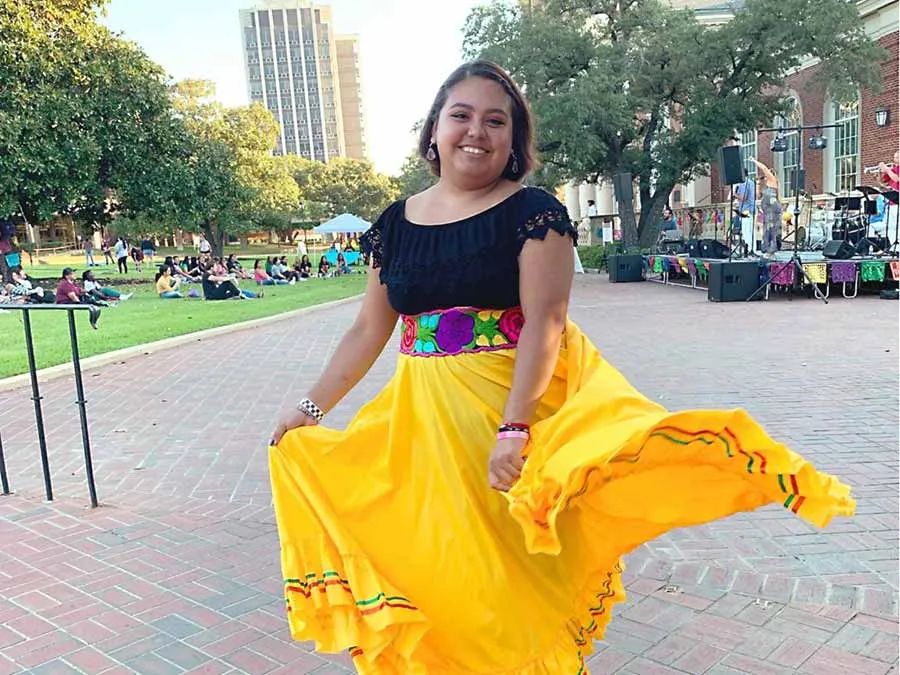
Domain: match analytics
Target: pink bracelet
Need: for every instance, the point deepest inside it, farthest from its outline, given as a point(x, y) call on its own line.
point(513, 434)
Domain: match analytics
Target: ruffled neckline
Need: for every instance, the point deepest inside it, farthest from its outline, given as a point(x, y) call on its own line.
point(474, 216)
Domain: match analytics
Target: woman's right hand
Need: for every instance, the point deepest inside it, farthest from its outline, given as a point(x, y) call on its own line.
point(291, 420)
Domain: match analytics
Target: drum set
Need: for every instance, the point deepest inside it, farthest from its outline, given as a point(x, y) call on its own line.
point(865, 217)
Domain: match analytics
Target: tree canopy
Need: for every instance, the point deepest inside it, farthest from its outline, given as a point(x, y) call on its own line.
point(81, 110)
point(639, 87)
point(343, 185)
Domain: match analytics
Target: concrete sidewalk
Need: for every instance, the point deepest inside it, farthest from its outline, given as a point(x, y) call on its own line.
point(178, 570)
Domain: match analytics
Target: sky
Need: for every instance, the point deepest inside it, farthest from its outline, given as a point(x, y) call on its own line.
point(407, 48)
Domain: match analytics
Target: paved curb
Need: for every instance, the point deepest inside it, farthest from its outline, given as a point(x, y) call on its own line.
point(92, 362)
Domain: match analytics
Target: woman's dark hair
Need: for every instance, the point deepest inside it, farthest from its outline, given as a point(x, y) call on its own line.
point(523, 124)
point(257, 263)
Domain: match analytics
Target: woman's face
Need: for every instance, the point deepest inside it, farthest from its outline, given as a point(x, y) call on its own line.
point(474, 132)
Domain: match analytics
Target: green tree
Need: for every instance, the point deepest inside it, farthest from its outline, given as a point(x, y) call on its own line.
point(233, 185)
point(415, 176)
point(85, 121)
point(638, 87)
point(131, 121)
point(342, 185)
point(46, 153)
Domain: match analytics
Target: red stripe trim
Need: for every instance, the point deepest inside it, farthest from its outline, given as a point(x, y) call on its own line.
point(762, 462)
point(794, 485)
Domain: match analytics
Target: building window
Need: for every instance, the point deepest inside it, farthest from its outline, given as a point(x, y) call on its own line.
point(788, 162)
point(845, 149)
point(748, 152)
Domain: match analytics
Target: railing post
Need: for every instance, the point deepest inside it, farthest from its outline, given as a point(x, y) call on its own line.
point(4, 481)
point(82, 410)
point(36, 397)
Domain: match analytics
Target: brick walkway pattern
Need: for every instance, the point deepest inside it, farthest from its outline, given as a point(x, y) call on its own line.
point(178, 570)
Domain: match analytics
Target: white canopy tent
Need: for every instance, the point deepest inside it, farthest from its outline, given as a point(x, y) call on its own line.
point(345, 223)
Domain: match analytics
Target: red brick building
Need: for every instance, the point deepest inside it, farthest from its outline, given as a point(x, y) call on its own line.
point(858, 144)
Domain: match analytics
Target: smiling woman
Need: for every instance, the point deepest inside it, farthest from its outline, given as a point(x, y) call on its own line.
point(472, 517)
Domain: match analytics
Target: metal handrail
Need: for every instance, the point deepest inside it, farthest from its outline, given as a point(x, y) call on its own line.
point(93, 315)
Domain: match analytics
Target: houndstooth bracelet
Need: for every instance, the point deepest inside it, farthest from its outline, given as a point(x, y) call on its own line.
point(307, 407)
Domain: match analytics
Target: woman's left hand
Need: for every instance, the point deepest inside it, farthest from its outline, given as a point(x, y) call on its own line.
point(506, 462)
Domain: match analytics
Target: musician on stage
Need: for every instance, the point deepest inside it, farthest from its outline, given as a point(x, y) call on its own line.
point(770, 206)
point(746, 211)
point(890, 175)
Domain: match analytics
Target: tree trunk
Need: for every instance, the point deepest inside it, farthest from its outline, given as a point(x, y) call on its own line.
point(179, 240)
point(652, 205)
point(215, 235)
point(629, 227)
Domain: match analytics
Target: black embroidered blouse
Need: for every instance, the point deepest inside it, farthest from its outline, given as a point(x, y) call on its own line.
point(472, 262)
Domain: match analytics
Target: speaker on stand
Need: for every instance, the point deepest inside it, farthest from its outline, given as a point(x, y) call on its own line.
point(731, 173)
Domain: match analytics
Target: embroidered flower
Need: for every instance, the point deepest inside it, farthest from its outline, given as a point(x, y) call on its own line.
point(408, 336)
point(454, 331)
point(511, 323)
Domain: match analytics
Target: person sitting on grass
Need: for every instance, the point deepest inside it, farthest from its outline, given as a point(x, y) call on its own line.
point(287, 271)
point(21, 287)
point(323, 268)
point(234, 267)
point(276, 270)
point(68, 292)
point(98, 291)
point(304, 267)
point(166, 285)
point(192, 269)
point(263, 278)
point(7, 298)
point(342, 267)
point(223, 287)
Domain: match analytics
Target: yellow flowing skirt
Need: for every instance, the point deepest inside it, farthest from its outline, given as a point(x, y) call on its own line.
point(394, 547)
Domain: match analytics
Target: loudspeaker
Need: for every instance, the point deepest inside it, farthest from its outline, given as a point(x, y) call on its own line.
point(693, 248)
point(730, 169)
point(623, 268)
point(733, 281)
point(622, 188)
point(713, 249)
point(838, 249)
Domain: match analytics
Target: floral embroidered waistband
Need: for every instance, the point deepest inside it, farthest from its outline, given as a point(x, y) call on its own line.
point(460, 330)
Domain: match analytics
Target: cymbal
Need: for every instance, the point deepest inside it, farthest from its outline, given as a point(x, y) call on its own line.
point(891, 195)
point(867, 190)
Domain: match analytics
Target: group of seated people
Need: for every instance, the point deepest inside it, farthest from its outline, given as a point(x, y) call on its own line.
point(21, 289)
point(276, 270)
point(219, 279)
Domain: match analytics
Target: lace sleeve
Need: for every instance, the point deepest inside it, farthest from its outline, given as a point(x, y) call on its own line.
point(537, 226)
point(371, 244)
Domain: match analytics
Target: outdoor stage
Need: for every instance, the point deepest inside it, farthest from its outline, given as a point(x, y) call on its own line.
point(849, 276)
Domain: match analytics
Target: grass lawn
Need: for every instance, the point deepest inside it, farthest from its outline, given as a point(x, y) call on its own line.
point(146, 317)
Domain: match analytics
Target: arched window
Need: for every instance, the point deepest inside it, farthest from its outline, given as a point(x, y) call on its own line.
point(843, 150)
point(748, 152)
point(788, 162)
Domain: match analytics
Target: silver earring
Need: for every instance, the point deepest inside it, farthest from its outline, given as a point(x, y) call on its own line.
point(431, 154)
point(515, 163)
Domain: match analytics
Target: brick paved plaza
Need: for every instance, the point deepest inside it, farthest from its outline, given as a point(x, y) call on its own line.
point(178, 570)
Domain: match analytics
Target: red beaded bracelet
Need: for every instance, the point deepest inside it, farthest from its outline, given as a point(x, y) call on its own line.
point(520, 426)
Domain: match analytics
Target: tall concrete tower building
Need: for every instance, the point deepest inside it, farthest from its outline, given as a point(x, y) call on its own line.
point(307, 76)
